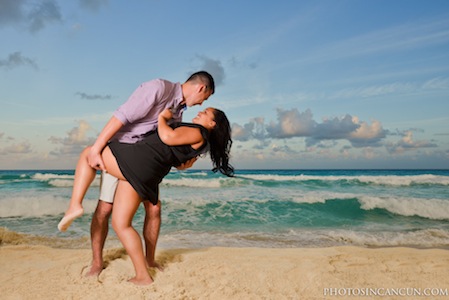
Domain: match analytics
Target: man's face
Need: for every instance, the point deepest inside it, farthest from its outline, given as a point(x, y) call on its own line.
point(200, 94)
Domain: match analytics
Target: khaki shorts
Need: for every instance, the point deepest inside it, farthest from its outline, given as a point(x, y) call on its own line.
point(108, 185)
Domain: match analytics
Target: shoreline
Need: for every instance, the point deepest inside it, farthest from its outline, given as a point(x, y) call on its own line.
point(8, 237)
point(37, 271)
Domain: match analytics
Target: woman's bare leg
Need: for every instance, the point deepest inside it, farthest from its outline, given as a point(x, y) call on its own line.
point(84, 175)
point(126, 203)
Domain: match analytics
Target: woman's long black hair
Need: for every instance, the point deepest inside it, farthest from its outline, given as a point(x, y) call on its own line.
point(220, 144)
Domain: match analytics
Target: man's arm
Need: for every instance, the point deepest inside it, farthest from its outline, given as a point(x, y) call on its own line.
point(110, 129)
point(188, 164)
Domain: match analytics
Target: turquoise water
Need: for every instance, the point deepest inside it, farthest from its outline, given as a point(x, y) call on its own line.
point(257, 208)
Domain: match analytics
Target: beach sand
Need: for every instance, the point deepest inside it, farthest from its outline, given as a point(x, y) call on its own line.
point(42, 272)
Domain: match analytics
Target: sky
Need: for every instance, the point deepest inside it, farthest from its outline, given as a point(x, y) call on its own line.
point(322, 84)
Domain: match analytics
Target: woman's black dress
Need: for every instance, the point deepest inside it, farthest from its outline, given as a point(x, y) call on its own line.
point(145, 163)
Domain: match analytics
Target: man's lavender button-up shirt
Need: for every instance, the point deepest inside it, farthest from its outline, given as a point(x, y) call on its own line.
point(140, 112)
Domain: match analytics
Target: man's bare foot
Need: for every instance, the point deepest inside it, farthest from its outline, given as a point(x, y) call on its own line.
point(94, 271)
point(69, 217)
point(141, 281)
point(155, 265)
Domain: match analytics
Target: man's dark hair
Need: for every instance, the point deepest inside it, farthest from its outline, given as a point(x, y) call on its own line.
point(205, 78)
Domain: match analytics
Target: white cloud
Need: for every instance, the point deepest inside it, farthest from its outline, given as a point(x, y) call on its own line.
point(367, 134)
point(75, 141)
point(19, 148)
point(408, 143)
point(242, 133)
point(436, 83)
point(254, 129)
point(86, 96)
point(375, 90)
point(292, 123)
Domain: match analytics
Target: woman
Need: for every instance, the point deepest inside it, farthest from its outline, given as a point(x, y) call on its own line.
point(142, 166)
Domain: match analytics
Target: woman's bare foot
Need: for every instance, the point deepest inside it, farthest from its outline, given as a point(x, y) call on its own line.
point(70, 215)
point(141, 281)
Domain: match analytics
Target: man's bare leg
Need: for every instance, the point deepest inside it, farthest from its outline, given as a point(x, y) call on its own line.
point(98, 232)
point(151, 228)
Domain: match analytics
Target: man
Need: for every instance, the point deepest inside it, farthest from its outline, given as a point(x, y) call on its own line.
point(137, 116)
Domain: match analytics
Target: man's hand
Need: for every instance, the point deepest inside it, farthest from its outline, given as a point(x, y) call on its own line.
point(187, 164)
point(110, 129)
point(95, 161)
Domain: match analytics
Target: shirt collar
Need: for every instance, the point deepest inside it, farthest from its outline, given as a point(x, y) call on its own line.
point(178, 110)
point(177, 95)
point(183, 107)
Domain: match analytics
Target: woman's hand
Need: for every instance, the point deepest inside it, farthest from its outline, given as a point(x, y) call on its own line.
point(166, 114)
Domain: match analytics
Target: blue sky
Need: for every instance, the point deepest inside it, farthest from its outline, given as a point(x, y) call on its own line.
point(306, 84)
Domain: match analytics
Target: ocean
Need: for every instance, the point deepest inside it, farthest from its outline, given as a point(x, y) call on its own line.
point(257, 208)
